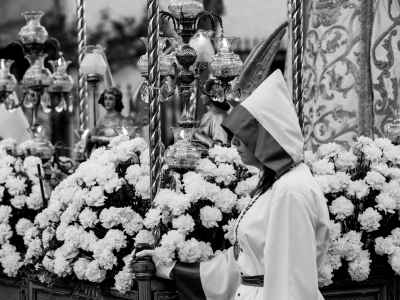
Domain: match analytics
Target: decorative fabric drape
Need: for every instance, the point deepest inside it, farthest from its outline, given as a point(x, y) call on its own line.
point(385, 62)
point(336, 76)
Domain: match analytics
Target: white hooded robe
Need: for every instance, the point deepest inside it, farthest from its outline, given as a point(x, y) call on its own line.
point(284, 236)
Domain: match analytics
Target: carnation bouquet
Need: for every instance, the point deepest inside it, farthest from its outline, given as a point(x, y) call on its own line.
point(20, 201)
point(94, 218)
point(362, 189)
point(195, 212)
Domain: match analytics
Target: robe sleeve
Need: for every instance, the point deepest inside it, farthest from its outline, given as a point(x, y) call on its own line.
point(290, 253)
point(216, 279)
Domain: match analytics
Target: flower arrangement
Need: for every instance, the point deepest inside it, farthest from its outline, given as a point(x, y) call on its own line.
point(20, 201)
point(195, 212)
point(362, 189)
point(94, 218)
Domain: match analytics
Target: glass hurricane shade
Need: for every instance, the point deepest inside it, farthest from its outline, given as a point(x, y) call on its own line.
point(93, 62)
point(125, 130)
point(201, 42)
point(61, 81)
point(41, 147)
point(33, 32)
point(189, 8)
point(182, 156)
point(37, 76)
point(8, 82)
point(164, 60)
point(392, 129)
point(225, 64)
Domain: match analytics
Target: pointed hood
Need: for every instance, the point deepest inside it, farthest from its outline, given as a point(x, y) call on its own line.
point(267, 124)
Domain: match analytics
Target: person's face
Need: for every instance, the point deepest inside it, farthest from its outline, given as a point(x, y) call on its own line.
point(109, 101)
point(205, 100)
point(246, 155)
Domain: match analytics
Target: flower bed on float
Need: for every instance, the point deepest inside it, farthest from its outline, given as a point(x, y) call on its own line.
point(94, 219)
point(196, 211)
point(20, 201)
point(362, 189)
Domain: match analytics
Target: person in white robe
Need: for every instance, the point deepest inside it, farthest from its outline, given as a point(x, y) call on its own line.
point(283, 235)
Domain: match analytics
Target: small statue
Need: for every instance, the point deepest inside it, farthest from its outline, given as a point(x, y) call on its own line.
point(210, 130)
point(105, 129)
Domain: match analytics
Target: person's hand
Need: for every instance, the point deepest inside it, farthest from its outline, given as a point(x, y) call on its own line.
point(162, 271)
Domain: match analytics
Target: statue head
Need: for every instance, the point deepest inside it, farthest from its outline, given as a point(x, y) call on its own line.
point(208, 86)
point(118, 97)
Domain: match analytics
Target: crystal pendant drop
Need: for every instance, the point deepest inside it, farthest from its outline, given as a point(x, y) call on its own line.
point(29, 100)
point(46, 102)
point(144, 92)
point(164, 92)
point(9, 103)
point(62, 105)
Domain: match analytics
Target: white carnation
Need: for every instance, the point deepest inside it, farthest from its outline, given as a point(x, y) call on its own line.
point(153, 217)
point(80, 267)
point(323, 167)
point(94, 273)
point(384, 246)
point(144, 237)
point(189, 252)
point(18, 201)
point(359, 267)
point(342, 208)
point(143, 187)
point(370, 219)
point(209, 216)
point(375, 180)
point(123, 281)
point(5, 213)
point(88, 218)
point(22, 226)
point(386, 203)
point(230, 231)
point(358, 188)
point(15, 185)
point(225, 200)
point(183, 223)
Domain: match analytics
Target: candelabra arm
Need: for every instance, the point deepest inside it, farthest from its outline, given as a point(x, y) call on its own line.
point(164, 15)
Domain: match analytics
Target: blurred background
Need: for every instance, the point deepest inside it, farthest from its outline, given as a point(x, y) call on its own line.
point(118, 25)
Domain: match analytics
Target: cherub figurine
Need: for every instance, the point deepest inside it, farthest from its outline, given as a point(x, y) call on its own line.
point(102, 134)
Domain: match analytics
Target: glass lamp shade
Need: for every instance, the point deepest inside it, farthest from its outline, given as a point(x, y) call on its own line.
point(33, 32)
point(392, 129)
point(125, 130)
point(37, 76)
point(201, 42)
point(182, 156)
point(41, 147)
point(226, 64)
point(93, 62)
point(7, 80)
point(62, 82)
point(189, 8)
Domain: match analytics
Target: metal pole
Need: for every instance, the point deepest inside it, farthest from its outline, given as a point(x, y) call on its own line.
point(297, 57)
point(82, 85)
point(154, 83)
